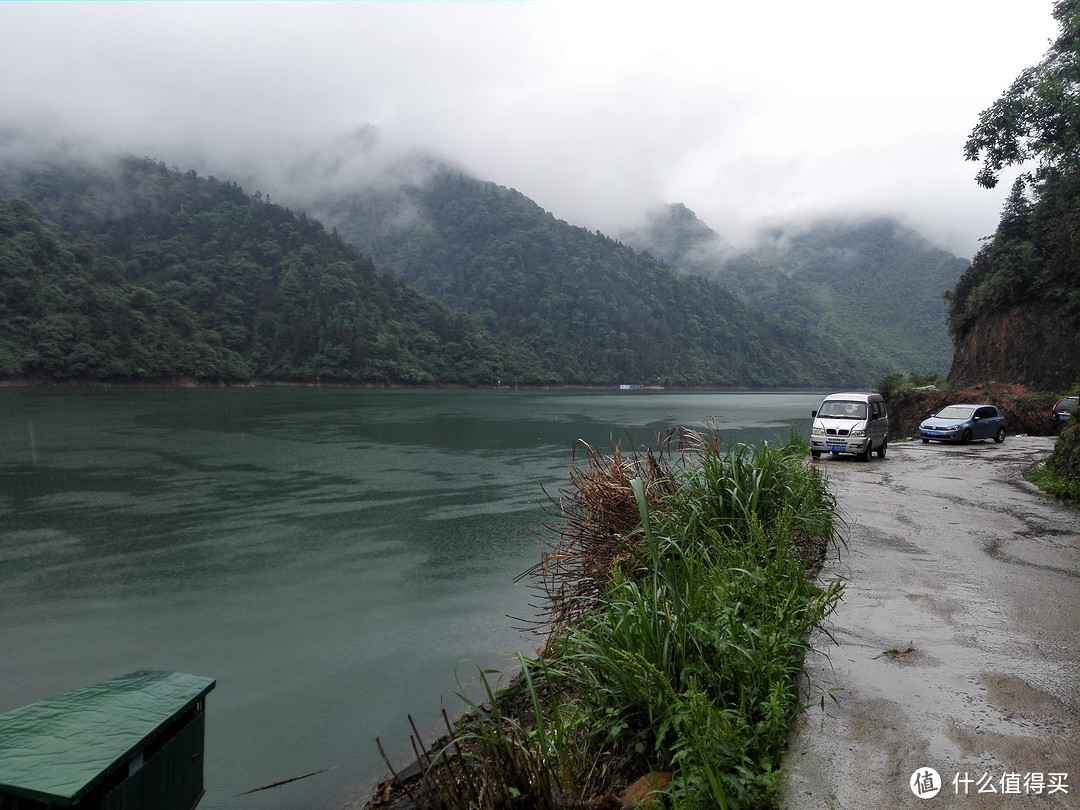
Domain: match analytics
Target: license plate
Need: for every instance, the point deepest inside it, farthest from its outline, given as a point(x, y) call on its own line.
point(933, 433)
point(836, 448)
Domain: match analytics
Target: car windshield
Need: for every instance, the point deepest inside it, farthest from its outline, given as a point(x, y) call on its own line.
point(840, 409)
point(954, 412)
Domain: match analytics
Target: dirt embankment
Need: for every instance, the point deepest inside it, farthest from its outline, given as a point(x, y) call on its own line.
point(1025, 411)
point(952, 665)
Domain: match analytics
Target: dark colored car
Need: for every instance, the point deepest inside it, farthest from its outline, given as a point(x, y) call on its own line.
point(1062, 410)
point(963, 423)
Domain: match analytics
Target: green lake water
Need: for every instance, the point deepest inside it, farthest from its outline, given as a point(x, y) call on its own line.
point(336, 558)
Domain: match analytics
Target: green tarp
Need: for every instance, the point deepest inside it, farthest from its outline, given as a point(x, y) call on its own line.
point(59, 749)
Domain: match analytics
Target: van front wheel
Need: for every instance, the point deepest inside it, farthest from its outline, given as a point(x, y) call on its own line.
point(884, 447)
point(865, 454)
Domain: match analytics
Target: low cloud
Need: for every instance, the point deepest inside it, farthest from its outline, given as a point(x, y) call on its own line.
point(747, 113)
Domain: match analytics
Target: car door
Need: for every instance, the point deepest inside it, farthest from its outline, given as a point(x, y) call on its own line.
point(987, 425)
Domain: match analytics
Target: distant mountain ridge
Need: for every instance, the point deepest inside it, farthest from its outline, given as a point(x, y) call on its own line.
point(594, 308)
point(526, 298)
point(874, 284)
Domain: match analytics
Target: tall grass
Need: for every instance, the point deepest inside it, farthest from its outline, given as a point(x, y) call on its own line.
point(683, 653)
point(694, 657)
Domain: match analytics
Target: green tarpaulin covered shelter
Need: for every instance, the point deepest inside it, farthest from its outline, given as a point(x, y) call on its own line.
point(131, 742)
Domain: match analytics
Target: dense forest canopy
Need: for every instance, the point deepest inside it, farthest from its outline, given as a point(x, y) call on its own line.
point(66, 312)
point(592, 306)
point(242, 288)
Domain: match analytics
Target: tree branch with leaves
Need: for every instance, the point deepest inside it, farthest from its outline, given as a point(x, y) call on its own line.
point(1038, 117)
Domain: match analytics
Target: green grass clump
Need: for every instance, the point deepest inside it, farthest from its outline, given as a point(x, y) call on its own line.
point(1059, 475)
point(681, 654)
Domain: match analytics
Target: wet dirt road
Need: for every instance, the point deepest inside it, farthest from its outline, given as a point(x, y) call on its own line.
point(958, 639)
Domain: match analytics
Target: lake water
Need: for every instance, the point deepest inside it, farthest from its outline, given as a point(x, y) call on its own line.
point(337, 559)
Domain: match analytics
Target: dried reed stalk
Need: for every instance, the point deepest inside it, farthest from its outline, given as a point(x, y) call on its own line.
point(591, 534)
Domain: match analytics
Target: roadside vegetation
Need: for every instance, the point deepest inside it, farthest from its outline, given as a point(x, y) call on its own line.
point(679, 599)
point(1059, 475)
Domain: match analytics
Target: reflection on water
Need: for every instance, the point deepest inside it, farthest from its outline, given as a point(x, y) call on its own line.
point(335, 558)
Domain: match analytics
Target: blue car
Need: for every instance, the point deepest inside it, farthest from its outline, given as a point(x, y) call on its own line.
point(963, 423)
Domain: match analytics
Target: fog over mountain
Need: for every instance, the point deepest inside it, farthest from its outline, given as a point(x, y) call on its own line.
point(750, 114)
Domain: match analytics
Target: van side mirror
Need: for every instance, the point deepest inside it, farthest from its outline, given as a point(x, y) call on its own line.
point(813, 414)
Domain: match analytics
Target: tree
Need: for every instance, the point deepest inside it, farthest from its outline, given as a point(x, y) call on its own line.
point(1038, 116)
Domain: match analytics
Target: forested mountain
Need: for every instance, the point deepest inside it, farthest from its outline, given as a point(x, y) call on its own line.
point(594, 308)
point(484, 286)
point(874, 284)
point(166, 274)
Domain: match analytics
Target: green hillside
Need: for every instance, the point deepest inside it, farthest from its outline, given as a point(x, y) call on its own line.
point(595, 309)
point(66, 312)
point(165, 274)
point(874, 284)
point(483, 286)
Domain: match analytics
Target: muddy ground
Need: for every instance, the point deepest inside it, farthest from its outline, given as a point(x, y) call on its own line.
point(957, 642)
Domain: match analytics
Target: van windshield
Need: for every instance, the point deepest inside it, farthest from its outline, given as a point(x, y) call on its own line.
point(842, 409)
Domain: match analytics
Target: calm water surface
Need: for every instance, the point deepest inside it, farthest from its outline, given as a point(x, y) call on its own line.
point(337, 559)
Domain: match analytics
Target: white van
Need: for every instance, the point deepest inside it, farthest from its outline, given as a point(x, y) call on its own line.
point(850, 423)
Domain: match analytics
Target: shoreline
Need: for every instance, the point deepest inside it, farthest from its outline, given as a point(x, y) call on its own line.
point(191, 382)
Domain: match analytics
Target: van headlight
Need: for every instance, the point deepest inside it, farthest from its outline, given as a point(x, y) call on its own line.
point(858, 432)
point(817, 430)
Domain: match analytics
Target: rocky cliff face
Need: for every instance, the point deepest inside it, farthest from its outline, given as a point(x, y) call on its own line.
point(1034, 345)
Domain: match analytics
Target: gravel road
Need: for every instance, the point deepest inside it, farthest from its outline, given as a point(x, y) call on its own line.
point(957, 642)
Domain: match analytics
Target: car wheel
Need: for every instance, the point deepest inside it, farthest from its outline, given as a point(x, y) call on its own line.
point(966, 438)
point(999, 437)
point(884, 447)
point(926, 441)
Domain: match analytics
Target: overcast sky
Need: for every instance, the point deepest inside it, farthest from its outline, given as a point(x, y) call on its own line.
point(746, 112)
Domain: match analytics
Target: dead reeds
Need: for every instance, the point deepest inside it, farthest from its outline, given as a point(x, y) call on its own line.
point(590, 536)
